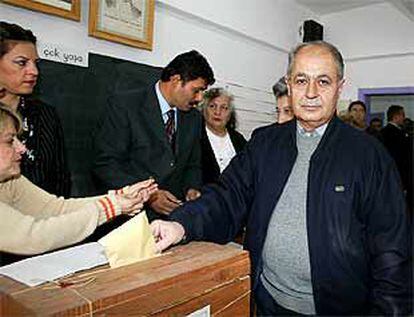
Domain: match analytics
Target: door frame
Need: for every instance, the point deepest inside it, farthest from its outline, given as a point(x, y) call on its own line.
point(364, 95)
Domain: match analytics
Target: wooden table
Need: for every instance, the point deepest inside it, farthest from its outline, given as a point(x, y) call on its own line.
point(184, 280)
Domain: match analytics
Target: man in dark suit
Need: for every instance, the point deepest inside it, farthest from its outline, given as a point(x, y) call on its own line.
point(155, 132)
point(326, 227)
point(399, 145)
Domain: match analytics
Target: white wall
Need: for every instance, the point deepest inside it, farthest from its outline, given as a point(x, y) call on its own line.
point(245, 41)
point(378, 46)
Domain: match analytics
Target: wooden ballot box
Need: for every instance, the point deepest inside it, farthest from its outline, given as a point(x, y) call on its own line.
point(188, 278)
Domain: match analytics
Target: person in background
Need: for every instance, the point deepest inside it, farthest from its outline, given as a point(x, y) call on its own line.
point(220, 141)
point(155, 131)
point(357, 111)
point(400, 146)
point(408, 127)
point(326, 227)
point(283, 108)
point(34, 221)
point(44, 162)
point(375, 126)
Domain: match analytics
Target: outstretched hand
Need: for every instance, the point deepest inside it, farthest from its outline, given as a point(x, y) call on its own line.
point(132, 198)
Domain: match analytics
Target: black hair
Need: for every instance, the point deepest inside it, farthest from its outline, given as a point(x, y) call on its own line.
point(357, 102)
point(375, 120)
point(190, 66)
point(12, 32)
point(393, 111)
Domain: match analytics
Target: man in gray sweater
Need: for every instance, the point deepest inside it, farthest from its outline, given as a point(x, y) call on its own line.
point(325, 218)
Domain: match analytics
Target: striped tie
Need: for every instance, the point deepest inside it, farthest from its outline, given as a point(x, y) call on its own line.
point(170, 128)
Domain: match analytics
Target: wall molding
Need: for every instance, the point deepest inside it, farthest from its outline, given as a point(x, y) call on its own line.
point(379, 56)
point(217, 27)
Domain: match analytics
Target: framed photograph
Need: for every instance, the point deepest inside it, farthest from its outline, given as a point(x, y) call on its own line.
point(129, 22)
point(69, 9)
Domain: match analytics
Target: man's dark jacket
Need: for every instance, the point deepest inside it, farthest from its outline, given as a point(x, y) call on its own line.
point(358, 237)
point(399, 146)
point(131, 145)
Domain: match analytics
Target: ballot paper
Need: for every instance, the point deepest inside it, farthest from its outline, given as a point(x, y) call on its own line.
point(48, 267)
point(130, 243)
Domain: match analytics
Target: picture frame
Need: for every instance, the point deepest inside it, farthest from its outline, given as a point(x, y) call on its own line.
point(126, 22)
point(69, 9)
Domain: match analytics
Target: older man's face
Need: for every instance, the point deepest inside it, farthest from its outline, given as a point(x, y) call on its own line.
point(314, 87)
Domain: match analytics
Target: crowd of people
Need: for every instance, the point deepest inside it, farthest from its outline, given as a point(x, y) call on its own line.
point(322, 202)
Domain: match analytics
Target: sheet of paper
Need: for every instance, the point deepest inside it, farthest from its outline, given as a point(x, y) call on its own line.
point(48, 267)
point(130, 243)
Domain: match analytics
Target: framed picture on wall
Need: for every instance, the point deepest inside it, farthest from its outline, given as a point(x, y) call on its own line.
point(69, 9)
point(129, 22)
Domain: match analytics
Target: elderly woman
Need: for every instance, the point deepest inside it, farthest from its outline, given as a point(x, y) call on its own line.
point(220, 142)
point(33, 221)
point(44, 161)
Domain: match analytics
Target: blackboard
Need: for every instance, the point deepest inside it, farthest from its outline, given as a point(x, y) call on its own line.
point(80, 95)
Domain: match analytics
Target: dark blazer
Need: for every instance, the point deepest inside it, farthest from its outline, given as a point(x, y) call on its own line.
point(398, 145)
point(358, 235)
point(209, 165)
point(131, 145)
point(44, 163)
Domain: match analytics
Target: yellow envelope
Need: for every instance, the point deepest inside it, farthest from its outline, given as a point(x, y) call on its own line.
point(130, 243)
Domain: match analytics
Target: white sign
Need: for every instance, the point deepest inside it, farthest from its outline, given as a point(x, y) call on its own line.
point(203, 312)
point(56, 53)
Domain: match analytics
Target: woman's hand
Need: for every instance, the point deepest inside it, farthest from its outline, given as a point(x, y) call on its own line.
point(132, 198)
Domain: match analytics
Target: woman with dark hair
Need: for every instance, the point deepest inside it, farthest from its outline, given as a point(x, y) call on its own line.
point(44, 161)
point(220, 141)
point(34, 221)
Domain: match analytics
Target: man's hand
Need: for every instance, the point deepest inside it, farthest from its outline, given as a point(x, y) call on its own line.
point(166, 233)
point(132, 198)
point(163, 202)
point(192, 194)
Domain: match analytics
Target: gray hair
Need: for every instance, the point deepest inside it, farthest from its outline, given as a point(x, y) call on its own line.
point(218, 92)
point(214, 93)
point(339, 61)
point(280, 88)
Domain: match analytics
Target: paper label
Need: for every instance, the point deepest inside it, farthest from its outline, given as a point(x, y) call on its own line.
point(65, 55)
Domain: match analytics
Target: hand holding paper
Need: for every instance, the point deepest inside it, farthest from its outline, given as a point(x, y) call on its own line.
point(130, 243)
point(166, 233)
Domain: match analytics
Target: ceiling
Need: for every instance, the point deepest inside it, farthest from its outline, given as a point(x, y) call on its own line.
point(322, 7)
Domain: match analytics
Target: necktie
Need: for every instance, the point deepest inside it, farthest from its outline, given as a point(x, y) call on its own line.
point(170, 127)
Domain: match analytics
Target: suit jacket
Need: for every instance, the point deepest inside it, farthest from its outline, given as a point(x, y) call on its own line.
point(210, 167)
point(357, 228)
point(398, 145)
point(44, 162)
point(131, 145)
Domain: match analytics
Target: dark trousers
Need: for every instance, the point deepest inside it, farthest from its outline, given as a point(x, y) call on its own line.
point(266, 305)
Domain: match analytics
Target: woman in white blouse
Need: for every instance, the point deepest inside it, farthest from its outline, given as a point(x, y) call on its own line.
point(220, 142)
